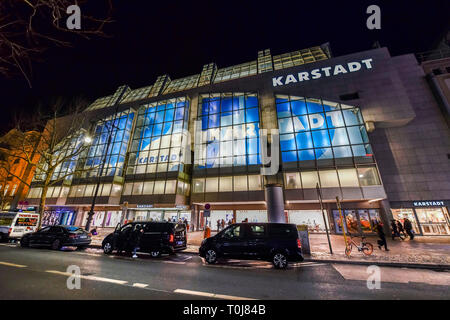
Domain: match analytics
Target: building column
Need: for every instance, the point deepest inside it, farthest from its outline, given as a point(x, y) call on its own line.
point(275, 203)
point(386, 215)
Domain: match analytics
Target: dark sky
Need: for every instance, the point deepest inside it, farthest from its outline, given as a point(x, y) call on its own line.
point(150, 38)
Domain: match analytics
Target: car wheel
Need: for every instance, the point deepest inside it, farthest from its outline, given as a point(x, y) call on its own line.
point(155, 254)
point(211, 256)
point(24, 243)
point(279, 260)
point(56, 245)
point(107, 248)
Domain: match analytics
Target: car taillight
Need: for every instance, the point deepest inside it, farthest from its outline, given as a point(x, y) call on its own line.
point(9, 231)
point(171, 238)
point(72, 236)
point(299, 244)
point(89, 234)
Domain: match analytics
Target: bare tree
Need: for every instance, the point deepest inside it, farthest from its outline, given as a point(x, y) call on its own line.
point(29, 27)
point(52, 150)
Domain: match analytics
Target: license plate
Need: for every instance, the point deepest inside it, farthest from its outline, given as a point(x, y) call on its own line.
point(179, 242)
point(83, 237)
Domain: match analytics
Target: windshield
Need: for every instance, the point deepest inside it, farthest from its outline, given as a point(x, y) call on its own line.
point(26, 222)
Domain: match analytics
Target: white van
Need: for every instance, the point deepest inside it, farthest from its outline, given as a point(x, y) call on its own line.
point(13, 225)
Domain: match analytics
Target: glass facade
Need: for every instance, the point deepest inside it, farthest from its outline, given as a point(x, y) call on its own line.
point(161, 131)
point(230, 130)
point(118, 127)
point(312, 129)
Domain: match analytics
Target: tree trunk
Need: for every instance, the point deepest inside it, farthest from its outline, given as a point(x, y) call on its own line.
point(43, 198)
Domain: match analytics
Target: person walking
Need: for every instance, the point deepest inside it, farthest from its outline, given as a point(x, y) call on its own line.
point(401, 230)
point(382, 236)
point(408, 228)
point(218, 225)
point(136, 239)
point(222, 224)
point(394, 229)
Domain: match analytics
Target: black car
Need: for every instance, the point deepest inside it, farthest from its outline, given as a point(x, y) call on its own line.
point(56, 237)
point(275, 242)
point(158, 238)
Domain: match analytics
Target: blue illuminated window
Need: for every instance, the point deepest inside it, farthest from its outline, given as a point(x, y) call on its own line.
point(319, 130)
point(230, 122)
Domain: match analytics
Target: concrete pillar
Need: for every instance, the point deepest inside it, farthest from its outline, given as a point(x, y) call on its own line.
point(386, 215)
point(275, 203)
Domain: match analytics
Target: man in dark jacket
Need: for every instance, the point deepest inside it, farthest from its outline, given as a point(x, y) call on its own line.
point(381, 235)
point(394, 229)
point(408, 228)
point(135, 239)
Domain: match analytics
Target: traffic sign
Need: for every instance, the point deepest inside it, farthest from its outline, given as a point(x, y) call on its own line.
point(206, 213)
point(207, 206)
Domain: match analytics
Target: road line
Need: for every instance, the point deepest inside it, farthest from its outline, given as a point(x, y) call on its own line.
point(210, 295)
point(174, 262)
point(68, 274)
point(12, 264)
point(140, 285)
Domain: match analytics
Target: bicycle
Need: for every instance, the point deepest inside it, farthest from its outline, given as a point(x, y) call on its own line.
point(364, 246)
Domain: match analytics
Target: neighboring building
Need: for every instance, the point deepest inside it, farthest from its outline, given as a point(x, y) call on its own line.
point(12, 166)
point(365, 126)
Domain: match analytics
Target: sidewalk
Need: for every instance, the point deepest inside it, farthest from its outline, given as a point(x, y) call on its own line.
point(423, 251)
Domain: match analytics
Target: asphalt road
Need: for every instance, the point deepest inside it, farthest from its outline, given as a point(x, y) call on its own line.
point(30, 273)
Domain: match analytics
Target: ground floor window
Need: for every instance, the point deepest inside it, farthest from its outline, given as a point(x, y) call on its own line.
point(113, 218)
point(356, 220)
point(55, 217)
point(433, 221)
point(251, 215)
point(97, 218)
point(312, 218)
point(171, 216)
point(219, 215)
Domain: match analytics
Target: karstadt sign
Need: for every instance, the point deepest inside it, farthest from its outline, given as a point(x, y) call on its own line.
point(335, 70)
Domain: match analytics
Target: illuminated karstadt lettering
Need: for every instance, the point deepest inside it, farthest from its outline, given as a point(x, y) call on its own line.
point(326, 71)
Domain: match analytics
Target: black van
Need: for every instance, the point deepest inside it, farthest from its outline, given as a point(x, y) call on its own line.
point(275, 242)
point(158, 237)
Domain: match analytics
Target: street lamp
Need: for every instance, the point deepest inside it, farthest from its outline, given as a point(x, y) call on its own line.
point(87, 139)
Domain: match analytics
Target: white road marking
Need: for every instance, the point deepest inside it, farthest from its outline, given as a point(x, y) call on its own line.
point(140, 285)
point(68, 274)
point(392, 274)
point(12, 264)
point(211, 295)
point(174, 262)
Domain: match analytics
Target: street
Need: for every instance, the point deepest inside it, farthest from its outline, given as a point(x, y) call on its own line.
point(30, 273)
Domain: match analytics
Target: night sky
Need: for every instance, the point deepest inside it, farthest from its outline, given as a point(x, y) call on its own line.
point(151, 38)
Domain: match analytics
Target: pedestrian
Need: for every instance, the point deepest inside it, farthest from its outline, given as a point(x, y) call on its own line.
point(401, 230)
point(223, 224)
point(218, 225)
point(136, 239)
point(230, 222)
point(394, 229)
point(381, 235)
point(408, 228)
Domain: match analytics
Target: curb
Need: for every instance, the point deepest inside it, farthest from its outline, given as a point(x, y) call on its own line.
point(439, 267)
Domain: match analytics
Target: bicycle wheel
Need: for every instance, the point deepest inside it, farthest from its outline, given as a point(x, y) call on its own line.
point(367, 248)
point(348, 250)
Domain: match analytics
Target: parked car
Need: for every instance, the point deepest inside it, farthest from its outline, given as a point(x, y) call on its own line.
point(274, 242)
point(13, 225)
point(158, 238)
point(57, 237)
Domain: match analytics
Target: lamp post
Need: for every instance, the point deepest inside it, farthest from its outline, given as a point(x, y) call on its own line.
point(102, 166)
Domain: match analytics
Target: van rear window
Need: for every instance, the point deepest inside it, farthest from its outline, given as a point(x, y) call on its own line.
point(158, 227)
point(26, 222)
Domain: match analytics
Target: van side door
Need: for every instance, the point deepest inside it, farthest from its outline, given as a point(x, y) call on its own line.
point(233, 242)
point(257, 240)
